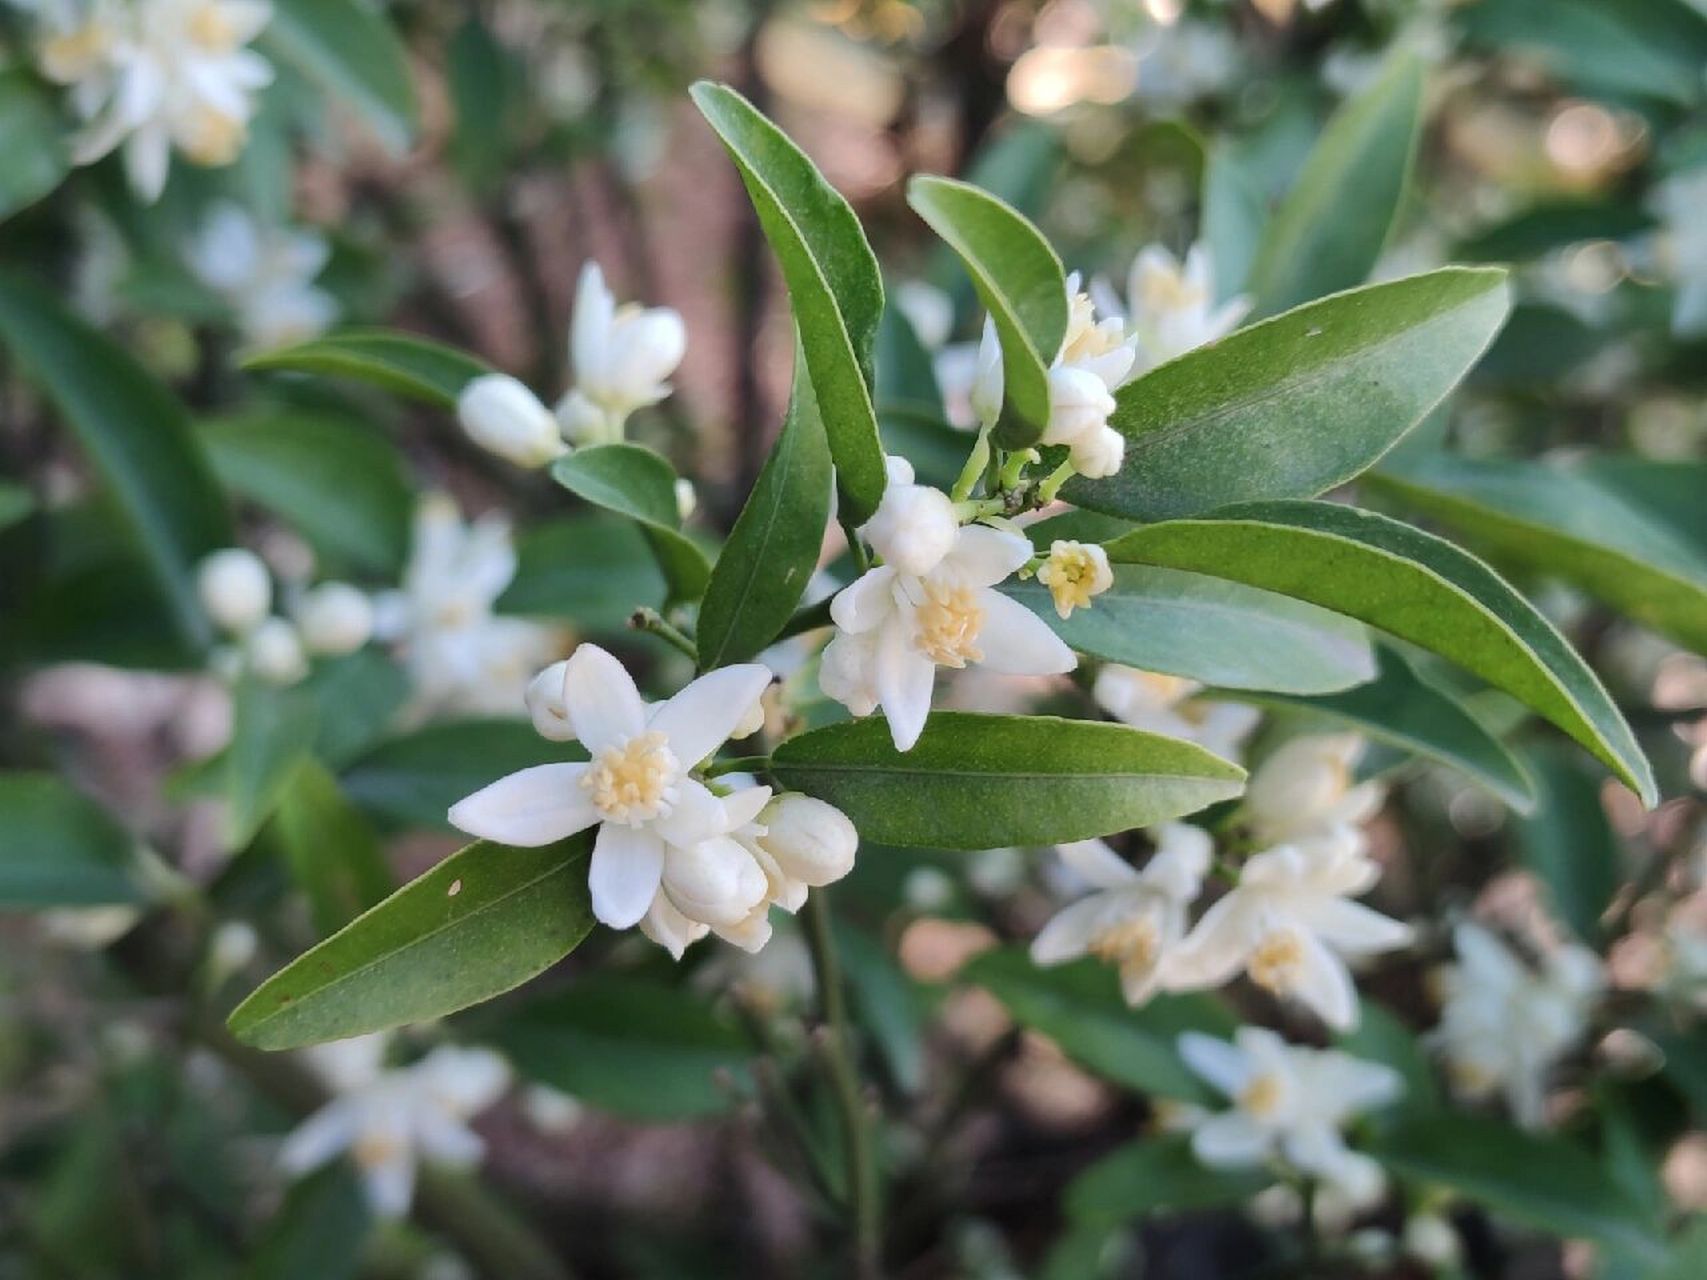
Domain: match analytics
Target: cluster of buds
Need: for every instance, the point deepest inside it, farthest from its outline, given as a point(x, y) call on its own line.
point(329, 619)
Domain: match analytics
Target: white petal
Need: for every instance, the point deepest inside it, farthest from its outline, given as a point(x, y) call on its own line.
point(1354, 929)
point(697, 815)
point(983, 556)
point(743, 806)
point(1068, 934)
point(1216, 1061)
point(628, 864)
point(1324, 985)
point(390, 1184)
point(669, 928)
point(317, 1139)
point(528, 808)
point(1231, 1140)
point(1216, 949)
point(603, 705)
point(904, 680)
point(866, 603)
point(700, 718)
point(1017, 642)
point(1097, 863)
point(448, 1140)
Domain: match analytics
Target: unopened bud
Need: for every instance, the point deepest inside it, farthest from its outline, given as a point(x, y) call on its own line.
point(235, 589)
point(1079, 404)
point(812, 842)
point(913, 529)
point(546, 704)
point(335, 618)
point(503, 417)
point(275, 652)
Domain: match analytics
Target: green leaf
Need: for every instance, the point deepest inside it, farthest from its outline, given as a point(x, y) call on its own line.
point(1562, 519)
point(1621, 50)
point(626, 1046)
point(1019, 281)
point(1410, 584)
point(486, 86)
point(397, 362)
point(343, 486)
point(350, 50)
point(833, 283)
point(320, 1230)
point(979, 781)
point(358, 697)
point(1209, 629)
point(1554, 224)
point(590, 567)
point(34, 157)
point(1234, 215)
point(765, 565)
point(1569, 843)
point(134, 433)
point(484, 920)
point(61, 849)
point(272, 732)
point(1298, 404)
point(1400, 708)
point(890, 1006)
point(333, 853)
point(1538, 1179)
point(17, 504)
point(1080, 1008)
point(1155, 1175)
point(415, 778)
point(1330, 228)
point(633, 481)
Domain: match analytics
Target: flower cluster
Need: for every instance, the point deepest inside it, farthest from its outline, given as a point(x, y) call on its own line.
point(236, 590)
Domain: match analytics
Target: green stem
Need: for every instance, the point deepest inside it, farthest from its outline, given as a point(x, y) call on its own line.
point(1052, 485)
point(975, 464)
point(737, 764)
point(856, 548)
point(861, 1190)
point(1015, 467)
point(650, 620)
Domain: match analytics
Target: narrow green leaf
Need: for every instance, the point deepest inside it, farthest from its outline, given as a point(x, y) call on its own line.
point(320, 1230)
point(34, 157)
point(342, 485)
point(333, 853)
point(1330, 228)
point(1562, 519)
point(1080, 1008)
point(484, 920)
point(397, 362)
point(272, 733)
point(1400, 708)
point(61, 849)
point(1298, 404)
point(979, 781)
point(1234, 215)
point(1569, 843)
point(1155, 1175)
point(1413, 585)
point(1211, 630)
point(1623, 50)
point(133, 432)
point(1554, 224)
point(626, 1046)
point(833, 283)
point(1020, 282)
point(633, 481)
point(358, 697)
point(765, 565)
point(351, 50)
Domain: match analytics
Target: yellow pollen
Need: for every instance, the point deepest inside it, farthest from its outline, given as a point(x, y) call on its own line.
point(949, 621)
point(634, 781)
point(1131, 942)
point(1074, 573)
point(211, 137)
point(1276, 961)
point(374, 1149)
point(1085, 339)
point(1170, 291)
point(74, 55)
point(210, 28)
point(1470, 1077)
point(1261, 1096)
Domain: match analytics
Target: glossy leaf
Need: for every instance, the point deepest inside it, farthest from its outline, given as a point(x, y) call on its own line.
point(633, 481)
point(397, 362)
point(272, 733)
point(333, 853)
point(1211, 630)
point(833, 283)
point(980, 781)
point(1155, 1175)
point(1019, 281)
point(34, 155)
point(61, 849)
point(1298, 404)
point(134, 433)
point(592, 568)
point(1563, 519)
point(484, 920)
point(764, 567)
point(1330, 228)
point(352, 51)
point(1413, 585)
point(1403, 710)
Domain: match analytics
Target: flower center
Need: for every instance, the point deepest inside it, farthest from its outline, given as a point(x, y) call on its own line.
point(1131, 941)
point(1261, 1097)
point(1070, 574)
point(212, 30)
point(634, 781)
point(1276, 961)
point(1169, 291)
point(1086, 339)
point(211, 137)
point(76, 54)
point(949, 620)
point(374, 1149)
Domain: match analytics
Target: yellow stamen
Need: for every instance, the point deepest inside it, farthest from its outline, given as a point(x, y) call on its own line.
point(1132, 941)
point(634, 781)
point(68, 58)
point(949, 621)
point(1261, 1097)
point(211, 137)
point(1276, 961)
point(374, 1149)
point(1165, 290)
point(1074, 573)
point(1085, 339)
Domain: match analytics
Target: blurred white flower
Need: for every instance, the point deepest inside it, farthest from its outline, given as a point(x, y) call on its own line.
point(151, 75)
point(551, 1110)
point(273, 651)
point(1306, 789)
point(1432, 1239)
point(1505, 1026)
point(335, 618)
point(1134, 918)
point(391, 1121)
point(235, 589)
point(233, 945)
point(503, 417)
point(1074, 572)
point(265, 274)
point(1291, 1103)
point(928, 309)
point(623, 358)
point(1169, 705)
point(1171, 307)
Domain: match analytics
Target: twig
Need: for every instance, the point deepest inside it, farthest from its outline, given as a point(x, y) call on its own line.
point(650, 620)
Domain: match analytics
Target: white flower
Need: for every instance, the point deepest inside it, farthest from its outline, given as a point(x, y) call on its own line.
point(895, 629)
point(658, 826)
point(335, 618)
point(1185, 61)
point(1169, 705)
point(274, 652)
point(985, 393)
point(265, 274)
point(1289, 922)
point(1432, 1239)
point(462, 656)
point(235, 589)
point(687, 498)
point(1306, 789)
point(1074, 572)
point(546, 706)
point(623, 358)
point(391, 1121)
point(1504, 1026)
point(1290, 1103)
point(503, 417)
point(154, 74)
point(1172, 307)
point(233, 945)
point(914, 526)
point(1134, 918)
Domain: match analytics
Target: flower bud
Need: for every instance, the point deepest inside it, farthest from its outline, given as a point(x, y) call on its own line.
point(547, 706)
point(275, 652)
point(1079, 404)
point(812, 842)
point(1303, 781)
point(716, 882)
point(335, 618)
point(503, 417)
point(846, 672)
point(1098, 454)
point(750, 723)
point(987, 382)
point(585, 423)
point(1431, 1238)
point(913, 529)
point(235, 589)
point(687, 498)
